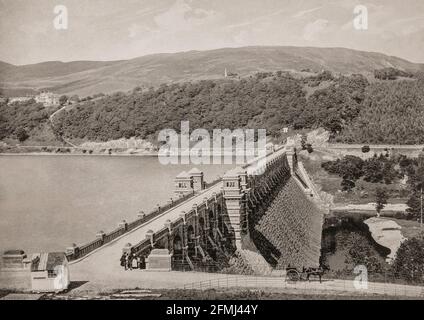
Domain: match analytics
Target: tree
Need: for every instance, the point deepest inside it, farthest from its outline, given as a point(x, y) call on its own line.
point(309, 148)
point(409, 261)
point(381, 198)
point(333, 124)
point(418, 179)
point(361, 252)
point(414, 206)
point(347, 185)
point(63, 99)
point(74, 98)
point(366, 149)
point(303, 141)
point(21, 134)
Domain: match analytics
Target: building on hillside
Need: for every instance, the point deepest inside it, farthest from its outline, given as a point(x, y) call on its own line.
point(229, 74)
point(49, 272)
point(19, 99)
point(47, 98)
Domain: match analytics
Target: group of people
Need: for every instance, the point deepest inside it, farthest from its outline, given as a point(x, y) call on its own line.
point(129, 261)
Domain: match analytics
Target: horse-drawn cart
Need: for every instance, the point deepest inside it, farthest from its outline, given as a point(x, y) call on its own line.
point(294, 274)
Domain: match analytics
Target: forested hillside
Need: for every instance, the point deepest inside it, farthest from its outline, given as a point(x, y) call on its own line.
point(266, 100)
point(393, 112)
point(351, 108)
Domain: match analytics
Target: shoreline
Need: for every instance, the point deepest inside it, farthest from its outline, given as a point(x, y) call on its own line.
point(77, 154)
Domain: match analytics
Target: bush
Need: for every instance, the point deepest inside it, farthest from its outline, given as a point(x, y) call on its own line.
point(21, 134)
point(366, 149)
point(409, 261)
point(309, 148)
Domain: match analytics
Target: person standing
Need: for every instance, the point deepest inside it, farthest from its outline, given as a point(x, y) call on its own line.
point(135, 262)
point(123, 261)
point(130, 260)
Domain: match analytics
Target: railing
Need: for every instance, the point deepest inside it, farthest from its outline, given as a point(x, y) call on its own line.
point(306, 287)
point(213, 183)
point(78, 252)
point(83, 250)
point(142, 246)
point(113, 235)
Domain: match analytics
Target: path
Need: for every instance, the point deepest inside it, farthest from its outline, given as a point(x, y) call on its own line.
point(202, 281)
point(52, 125)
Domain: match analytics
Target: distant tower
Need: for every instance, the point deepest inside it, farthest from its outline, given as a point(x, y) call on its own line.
point(225, 73)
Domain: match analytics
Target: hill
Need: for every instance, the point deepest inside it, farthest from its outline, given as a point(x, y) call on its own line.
point(90, 77)
point(351, 108)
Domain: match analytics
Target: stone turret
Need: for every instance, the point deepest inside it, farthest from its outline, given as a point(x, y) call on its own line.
point(291, 155)
point(197, 178)
point(183, 184)
point(234, 184)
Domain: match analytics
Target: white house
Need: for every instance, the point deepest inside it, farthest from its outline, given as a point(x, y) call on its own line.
point(49, 272)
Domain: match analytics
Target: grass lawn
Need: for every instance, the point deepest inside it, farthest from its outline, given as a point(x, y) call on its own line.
point(364, 192)
point(410, 228)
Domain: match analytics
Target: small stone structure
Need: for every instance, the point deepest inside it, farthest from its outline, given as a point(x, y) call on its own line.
point(183, 184)
point(13, 259)
point(189, 182)
point(197, 179)
point(40, 272)
point(159, 260)
point(49, 272)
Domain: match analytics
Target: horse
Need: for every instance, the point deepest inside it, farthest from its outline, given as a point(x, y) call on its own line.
point(314, 272)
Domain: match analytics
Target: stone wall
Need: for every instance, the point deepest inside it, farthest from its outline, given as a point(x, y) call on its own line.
point(288, 232)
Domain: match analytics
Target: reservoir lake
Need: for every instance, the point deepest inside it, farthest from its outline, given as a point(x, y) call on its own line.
point(48, 202)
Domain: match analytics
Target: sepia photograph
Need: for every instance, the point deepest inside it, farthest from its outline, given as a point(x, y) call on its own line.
point(210, 155)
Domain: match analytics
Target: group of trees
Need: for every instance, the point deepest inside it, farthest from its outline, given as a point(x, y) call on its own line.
point(383, 169)
point(268, 103)
point(267, 100)
point(391, 74)
point(391, 113)
point(416, 182)
point(18, 119)
point(378, 169)
point(333, 107)
point(351, 108)
point(359, 249)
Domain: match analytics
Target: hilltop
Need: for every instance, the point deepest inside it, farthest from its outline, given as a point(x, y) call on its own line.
point(91, 77)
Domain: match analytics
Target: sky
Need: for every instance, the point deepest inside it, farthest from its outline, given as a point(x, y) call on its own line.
point(123, 29)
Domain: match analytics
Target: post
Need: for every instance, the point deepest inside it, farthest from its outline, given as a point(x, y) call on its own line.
point(421, 202)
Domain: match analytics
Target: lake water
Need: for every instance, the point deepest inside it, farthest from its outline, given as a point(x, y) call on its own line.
point(49, 202)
